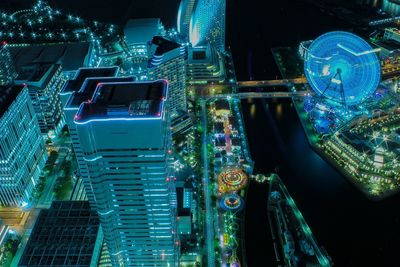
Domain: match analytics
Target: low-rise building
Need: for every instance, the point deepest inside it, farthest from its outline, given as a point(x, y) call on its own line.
point(67, 234)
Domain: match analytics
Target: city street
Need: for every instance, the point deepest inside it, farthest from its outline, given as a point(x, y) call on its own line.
point(207, 193)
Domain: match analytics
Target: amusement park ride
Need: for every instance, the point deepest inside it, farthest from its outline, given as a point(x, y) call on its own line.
point(343, 70)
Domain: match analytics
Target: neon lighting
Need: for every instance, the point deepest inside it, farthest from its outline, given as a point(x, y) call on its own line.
point(115, 254)
point(93, 159)
point(360, 53)
point(131, 118)
point(105, 213)
point(342, 67)
point(118, 119)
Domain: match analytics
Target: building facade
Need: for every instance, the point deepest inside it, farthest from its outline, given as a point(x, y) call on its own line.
point(7, 70)
point(22, 149)
point(125, 139)
point(76, 91)
point(207, 24)
point(205, 65)
point(169, 63)
point(138, 36)
point(44, 82)
point(185, 12)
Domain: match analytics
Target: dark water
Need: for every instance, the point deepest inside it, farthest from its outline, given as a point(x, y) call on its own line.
point(354, 230)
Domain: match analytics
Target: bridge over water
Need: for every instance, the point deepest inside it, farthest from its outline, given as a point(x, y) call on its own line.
point(249, 84)
point(260, 95)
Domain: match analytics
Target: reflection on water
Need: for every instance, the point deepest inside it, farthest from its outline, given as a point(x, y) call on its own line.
point(252, 111)
point(279, 111)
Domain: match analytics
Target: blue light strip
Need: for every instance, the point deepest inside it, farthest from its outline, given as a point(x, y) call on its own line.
point(142, 118)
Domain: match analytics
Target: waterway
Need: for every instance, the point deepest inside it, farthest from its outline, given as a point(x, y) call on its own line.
point(354, 230)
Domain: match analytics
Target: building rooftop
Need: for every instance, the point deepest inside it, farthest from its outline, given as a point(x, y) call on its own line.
point(82, 74)
point(182, 211)
point(89, 86)
point(64, 235)
point(39, 74)
point(8, 94)
point(127, 100)
point(141, 31)
point(163, 45)
point(71, 56)
point(202, 55)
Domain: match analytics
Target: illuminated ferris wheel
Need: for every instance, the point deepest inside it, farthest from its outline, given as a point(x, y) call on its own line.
point(342, 68)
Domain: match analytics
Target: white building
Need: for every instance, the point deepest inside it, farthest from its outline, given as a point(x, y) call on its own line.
point(124, 135)
point(75, 92)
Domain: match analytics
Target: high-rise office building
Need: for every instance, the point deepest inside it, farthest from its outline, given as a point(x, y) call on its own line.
point(125, 138)
point(75, 92)
point(22, 150)
point(168, 62)
point(7, 70)
point(44, 82)
point(207, 24)
point(185, 12)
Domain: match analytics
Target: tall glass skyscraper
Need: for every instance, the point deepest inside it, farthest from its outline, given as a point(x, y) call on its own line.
point(207, 24)
point(22, 150)
point(125, 139)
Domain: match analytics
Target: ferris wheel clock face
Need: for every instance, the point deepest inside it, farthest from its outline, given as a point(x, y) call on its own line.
point(342, 67)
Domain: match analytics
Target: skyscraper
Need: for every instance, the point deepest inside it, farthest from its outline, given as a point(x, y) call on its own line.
point(125, 139)
point(207, 24)
point(22, 149)
point(7, 70)
point(185, 12)
point(74, 93)
point(168, 62)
